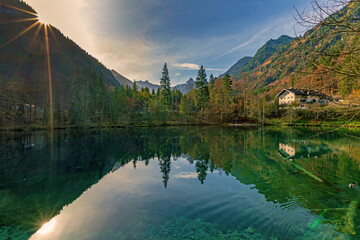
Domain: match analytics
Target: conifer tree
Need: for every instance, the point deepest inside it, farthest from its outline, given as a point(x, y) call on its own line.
point(211, 79)
point(202, 90)
point(165, 90)
point(134, 87)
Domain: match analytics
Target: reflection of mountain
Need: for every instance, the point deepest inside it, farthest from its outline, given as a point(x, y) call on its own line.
point(57, 172)
point(35, 188)
point(38, 176)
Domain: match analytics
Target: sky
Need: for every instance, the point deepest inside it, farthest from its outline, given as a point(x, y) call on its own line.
point(136, 37)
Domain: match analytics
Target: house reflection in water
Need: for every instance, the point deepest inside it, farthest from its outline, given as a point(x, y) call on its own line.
point(302, 149)
point(287, 150)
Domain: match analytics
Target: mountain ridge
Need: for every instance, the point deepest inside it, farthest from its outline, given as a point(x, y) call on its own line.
point(121, 79)
point(65, 54)
point(146, 84)
point(316, 60)
point(305, 62)
point(238, 67)
point(185, 87)
point(247, 64)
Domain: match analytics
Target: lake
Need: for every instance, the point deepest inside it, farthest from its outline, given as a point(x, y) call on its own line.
point(180, 183)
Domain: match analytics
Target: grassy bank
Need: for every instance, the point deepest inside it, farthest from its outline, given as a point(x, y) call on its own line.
point(303, 119)
point(312, 123)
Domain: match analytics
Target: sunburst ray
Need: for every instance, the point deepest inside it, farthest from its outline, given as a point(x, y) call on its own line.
point(47, 29)
point(54, 36)
point(20, 20)
point(49, 76)
point(19, 9)
point(35, 36)
point(19, 35)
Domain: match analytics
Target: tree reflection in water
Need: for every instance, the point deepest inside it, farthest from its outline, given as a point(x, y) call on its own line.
point(252, 156)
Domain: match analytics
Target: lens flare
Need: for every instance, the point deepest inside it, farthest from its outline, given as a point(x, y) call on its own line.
point(47, 227)
point(19, 9)
point(42, 20)
point(49, 77)
point(20, 20)
point(19, 35)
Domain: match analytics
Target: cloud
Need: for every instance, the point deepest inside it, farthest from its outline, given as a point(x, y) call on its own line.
point(186, 66)
point(192, 66)
point(247, 43)
point(126, 37)
point(216, 69)
point(130, 59)
point(186, 175)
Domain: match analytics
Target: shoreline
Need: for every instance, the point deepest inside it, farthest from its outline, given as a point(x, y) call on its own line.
point(32, 128)
point(337, 124)
point(277, 123)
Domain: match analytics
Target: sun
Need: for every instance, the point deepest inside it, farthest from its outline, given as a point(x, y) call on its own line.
point(42, 20)
point(47, 227)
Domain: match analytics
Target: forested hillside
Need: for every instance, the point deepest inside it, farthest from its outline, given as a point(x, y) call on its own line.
point(325, 58)
point(81, 92)
point(24, 68)
point(247, 64)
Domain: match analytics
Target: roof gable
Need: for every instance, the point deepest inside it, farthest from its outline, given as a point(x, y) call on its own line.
point(303, 92)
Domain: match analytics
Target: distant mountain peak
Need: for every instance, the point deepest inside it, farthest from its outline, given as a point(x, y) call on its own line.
point(185, 87)
point(191, 80)
point(285, 37)
point(147, 84)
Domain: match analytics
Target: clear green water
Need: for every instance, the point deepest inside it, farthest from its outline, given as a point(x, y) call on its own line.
point(180, 183)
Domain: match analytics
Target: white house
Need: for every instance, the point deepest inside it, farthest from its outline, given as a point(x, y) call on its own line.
point(302, 97)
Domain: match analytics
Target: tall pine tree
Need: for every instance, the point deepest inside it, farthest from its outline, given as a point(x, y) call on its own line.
point(165, 90)
point(202, 90)
point(211, 79)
